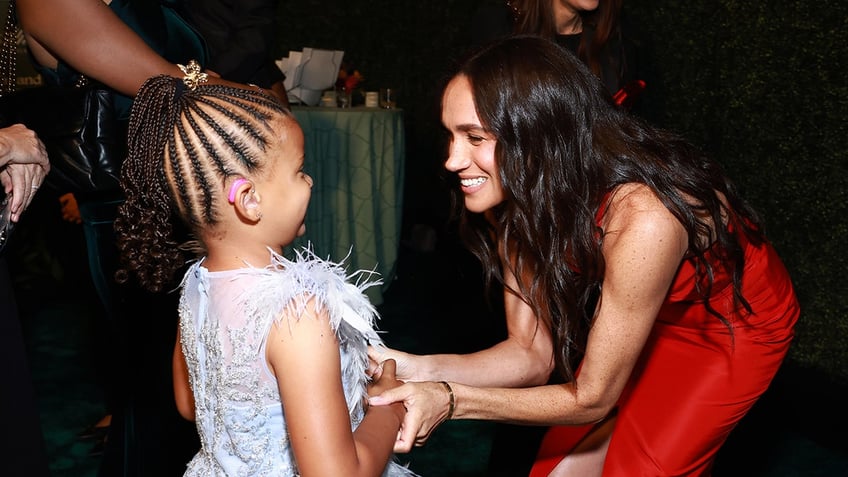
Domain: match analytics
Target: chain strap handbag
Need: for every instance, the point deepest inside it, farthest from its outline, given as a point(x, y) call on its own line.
point(6, 223)
point(77, 124)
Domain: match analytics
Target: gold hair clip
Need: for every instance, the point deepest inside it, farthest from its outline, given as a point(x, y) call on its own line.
point(194, 75)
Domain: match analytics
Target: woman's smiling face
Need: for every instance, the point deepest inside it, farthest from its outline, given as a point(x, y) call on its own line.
point(471, 154)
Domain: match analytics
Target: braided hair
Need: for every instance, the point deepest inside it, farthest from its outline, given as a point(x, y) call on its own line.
point(183, 146)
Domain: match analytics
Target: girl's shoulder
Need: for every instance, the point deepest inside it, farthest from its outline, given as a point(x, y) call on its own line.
point(293, 283)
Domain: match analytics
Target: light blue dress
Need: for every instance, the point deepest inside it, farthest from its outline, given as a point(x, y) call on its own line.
point(225, 318)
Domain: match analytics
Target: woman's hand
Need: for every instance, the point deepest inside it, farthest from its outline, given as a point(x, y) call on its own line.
point(23, 166)
point(427, 405)
point(404, 361)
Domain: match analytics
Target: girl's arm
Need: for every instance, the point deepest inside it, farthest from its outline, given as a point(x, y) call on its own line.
point(643, 247)
point(303, 353)
point(183, 395)
point(88, 36)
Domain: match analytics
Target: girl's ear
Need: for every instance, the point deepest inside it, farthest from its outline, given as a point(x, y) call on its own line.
point(250, 201)
point(246, 201)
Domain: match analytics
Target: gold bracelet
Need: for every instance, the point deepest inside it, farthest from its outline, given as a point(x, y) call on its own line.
point(452, 405)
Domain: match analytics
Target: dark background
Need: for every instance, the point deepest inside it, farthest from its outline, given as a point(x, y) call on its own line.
point(759, 85)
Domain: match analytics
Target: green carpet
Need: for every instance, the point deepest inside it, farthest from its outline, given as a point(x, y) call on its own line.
point(68, 389)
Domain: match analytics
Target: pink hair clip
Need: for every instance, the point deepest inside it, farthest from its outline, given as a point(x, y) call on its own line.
point(236, 184)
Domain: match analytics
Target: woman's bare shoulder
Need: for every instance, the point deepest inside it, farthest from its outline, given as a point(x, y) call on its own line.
point(636, 210)
point(632, 200)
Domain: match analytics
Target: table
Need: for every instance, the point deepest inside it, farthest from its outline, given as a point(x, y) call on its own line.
point(356, 158)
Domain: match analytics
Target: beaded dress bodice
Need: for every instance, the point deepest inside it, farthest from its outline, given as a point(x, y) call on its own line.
point(225, 318)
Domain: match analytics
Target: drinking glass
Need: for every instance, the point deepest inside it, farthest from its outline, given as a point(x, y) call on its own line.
point(388, 98)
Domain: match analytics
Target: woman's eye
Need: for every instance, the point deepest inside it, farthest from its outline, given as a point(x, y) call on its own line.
point(475, 140)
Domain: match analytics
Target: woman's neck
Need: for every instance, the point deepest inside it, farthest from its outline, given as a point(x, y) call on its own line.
point(566, 19)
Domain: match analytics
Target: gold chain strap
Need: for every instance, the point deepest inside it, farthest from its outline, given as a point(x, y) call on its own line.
point(513, 8)
point(9, 52)
point(9, 55)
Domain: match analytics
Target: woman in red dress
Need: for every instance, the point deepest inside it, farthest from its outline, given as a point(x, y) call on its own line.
point(630, 265)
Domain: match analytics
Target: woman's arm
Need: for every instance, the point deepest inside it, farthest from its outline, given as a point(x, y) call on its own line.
point(183, 395)
point(88, 36)
point(643, 247)
point(524, 358)
point(303, 353)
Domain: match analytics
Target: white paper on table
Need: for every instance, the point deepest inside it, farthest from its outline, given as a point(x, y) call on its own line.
point(291, 67)
point(309, 73)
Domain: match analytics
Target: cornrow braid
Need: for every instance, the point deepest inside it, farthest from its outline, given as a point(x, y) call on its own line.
point(183, 146)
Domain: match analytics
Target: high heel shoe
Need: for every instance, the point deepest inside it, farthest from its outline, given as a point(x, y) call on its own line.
point(93, 432)
point(98, 430)
point(99, 447)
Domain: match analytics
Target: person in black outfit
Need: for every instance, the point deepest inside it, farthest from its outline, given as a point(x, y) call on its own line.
point(239, 35)
point(595, 30)
point(122, 44)
point(23, 166)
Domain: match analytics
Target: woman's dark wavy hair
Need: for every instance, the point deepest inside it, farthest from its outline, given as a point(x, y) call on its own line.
point(183, 146)
point(562, 147)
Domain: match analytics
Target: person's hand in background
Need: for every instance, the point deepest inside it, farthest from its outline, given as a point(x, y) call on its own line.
point(70, 209)
point(23, 166)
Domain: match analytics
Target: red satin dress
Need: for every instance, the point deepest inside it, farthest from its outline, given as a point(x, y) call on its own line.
point(694, 382)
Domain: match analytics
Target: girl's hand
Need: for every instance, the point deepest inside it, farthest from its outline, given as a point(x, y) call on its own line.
point(383, 379)
point(427, 405)
point(404, 361)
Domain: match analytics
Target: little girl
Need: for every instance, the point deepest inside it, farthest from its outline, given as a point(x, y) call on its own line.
point(271, 354)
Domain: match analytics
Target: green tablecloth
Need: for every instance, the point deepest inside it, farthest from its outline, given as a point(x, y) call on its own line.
point(356, 157)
